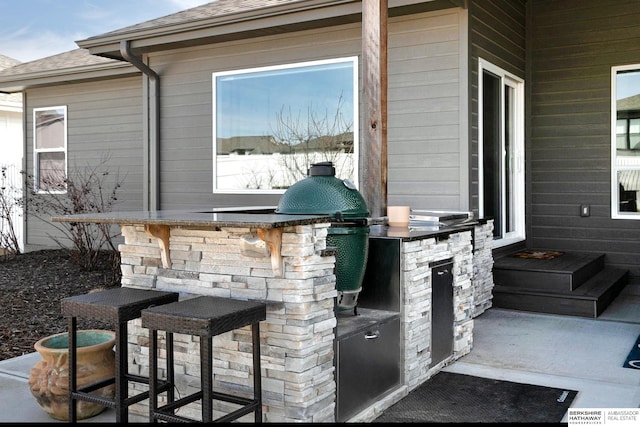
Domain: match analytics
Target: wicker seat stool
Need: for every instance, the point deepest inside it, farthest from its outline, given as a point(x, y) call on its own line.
point(205, 317)
point(116, 306)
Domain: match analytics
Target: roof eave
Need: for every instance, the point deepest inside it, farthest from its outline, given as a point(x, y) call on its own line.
point(262, 21)
point(21, 82)
point(279, 19)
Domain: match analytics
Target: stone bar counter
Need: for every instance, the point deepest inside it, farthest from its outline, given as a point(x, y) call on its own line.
point(283, 260)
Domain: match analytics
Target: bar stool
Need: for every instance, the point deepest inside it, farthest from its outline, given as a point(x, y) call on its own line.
point(117, 306)
point(206, 317)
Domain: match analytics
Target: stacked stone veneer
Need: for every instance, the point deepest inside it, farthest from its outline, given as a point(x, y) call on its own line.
point(416, 309)
point(472, 294)
point(296, 338)
point(483, 267)
point(472, 287)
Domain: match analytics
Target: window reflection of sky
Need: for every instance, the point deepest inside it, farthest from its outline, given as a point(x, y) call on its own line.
point(248, 104)
point(627, 84)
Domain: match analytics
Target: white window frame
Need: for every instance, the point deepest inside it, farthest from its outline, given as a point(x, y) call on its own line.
point(37, 151)
point(355, 124)
point(616, 166)
point(518, 193)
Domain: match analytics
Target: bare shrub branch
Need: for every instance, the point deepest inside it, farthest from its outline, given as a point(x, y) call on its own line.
point(10, 207)
point(91, 189)
point(319, 138)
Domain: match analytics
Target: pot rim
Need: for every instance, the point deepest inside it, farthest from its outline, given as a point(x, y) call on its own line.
point(40, 344)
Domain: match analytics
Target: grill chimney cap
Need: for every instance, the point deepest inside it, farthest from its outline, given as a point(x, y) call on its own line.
point(322, 169)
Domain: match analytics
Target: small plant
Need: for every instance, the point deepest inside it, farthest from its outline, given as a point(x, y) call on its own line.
point(10, 209)
point(91, 189)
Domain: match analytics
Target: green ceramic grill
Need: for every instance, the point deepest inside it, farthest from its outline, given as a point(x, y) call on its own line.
point(321, 193)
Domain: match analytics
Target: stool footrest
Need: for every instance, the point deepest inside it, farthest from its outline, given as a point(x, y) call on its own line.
point(137, 398)
point(162, 387)
point(108, 381)
point(136, 378)
point(165, 413)
point(172, 406)
point(171, 418)
point(231, 398)
point(251, 407)
point(93, 398)
point(85, 394)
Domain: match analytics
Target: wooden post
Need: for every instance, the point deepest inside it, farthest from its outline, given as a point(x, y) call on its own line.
point(373, 146)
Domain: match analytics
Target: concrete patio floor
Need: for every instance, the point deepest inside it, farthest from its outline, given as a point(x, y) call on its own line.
point(556, 351)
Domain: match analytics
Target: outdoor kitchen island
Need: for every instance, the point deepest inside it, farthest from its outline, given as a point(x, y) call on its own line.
point(284, 261)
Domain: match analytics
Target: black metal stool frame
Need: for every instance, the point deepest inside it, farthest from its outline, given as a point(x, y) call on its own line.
point(117, 306)
point(204, 328)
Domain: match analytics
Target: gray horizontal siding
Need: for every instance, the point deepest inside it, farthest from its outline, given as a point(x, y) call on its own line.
point(186, 152)
point(104, 125)
point(425, 165)
point(573, 46)
point(423, 108)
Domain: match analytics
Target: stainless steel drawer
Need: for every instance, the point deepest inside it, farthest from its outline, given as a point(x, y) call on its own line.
point(368, 359)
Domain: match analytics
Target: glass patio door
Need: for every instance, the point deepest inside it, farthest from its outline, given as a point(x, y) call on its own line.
point(501, 165)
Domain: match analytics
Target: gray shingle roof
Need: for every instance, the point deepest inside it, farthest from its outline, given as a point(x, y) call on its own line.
point(78, 60)
point(75, 65)
point(6, 62)
point(66, 60)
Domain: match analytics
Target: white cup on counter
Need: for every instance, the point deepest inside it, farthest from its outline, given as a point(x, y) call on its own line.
point(398, 215)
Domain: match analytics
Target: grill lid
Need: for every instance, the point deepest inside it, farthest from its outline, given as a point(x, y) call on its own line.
point(321, 193)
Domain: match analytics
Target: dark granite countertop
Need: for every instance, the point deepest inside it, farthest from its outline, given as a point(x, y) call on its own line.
point(419, 232)
point(260, 217)
point(207, 217)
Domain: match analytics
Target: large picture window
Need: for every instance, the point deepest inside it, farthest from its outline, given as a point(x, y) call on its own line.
point(625, 141)
point(501, 152)
point(50, 148)
point(270, 124)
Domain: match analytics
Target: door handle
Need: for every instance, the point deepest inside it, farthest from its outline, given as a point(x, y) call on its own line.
point(372, 335)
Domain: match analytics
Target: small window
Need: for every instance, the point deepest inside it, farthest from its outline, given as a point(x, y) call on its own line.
point(270, 124)
point(50, 148)
point(625, 141)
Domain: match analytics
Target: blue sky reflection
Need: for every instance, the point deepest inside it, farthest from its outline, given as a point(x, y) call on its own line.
point(249, 103)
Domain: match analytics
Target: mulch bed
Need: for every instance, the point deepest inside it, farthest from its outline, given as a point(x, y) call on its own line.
point(31, 288)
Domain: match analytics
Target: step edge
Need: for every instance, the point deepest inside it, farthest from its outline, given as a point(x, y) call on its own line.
point(616, 274)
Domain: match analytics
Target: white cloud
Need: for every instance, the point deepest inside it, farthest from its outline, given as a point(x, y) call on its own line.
point(35, 46)
point(187, 4)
